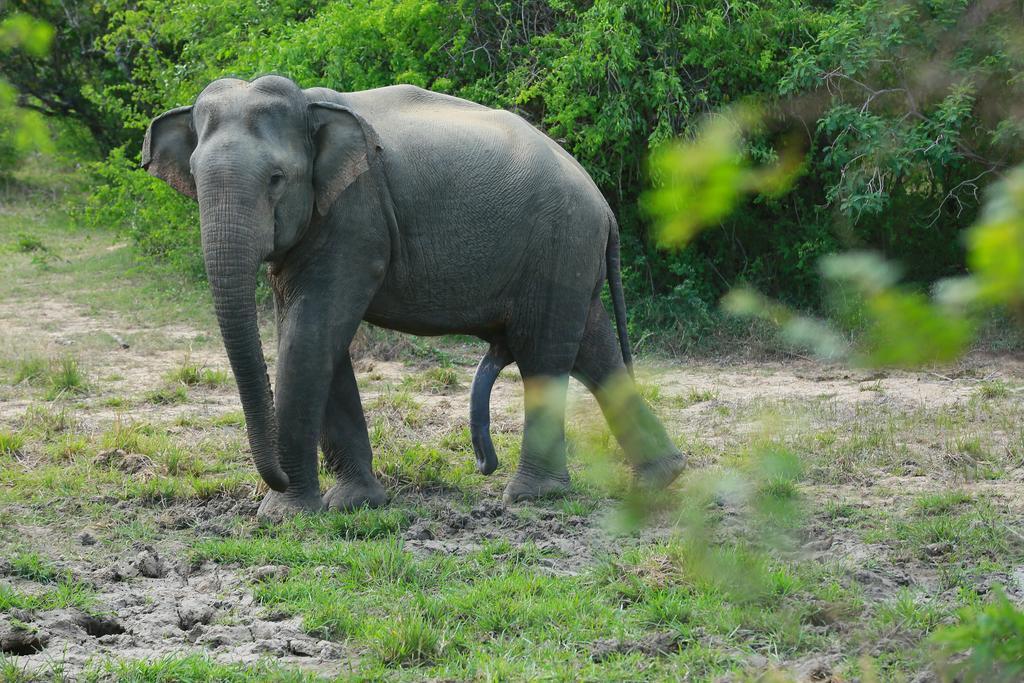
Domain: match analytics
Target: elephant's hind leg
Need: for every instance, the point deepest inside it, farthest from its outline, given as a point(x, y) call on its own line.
point(346, 446)
point(654, 458)
point(542, 467)
point(544, 345)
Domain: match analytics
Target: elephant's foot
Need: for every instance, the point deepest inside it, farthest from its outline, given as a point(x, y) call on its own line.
point(277, 506)
point(530, 486)
point(659, 472)
point(349, 494)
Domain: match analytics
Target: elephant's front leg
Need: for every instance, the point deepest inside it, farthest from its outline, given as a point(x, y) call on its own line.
point(346, 445)
point(307, 353)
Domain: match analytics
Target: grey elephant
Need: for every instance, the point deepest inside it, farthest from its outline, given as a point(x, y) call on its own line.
point(414, 211)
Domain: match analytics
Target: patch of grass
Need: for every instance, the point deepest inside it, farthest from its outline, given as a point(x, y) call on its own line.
point(649, 392)
point(35, 567)
point(194, 669)
point(131, 437)
point(26, 244)
point(234, 418)
point(406, 639)
point(166, 396)
point(31, 370)
point(66, 593)
point(66, 447)
point(993, 389)
point(941, 503)
point(840, 510)
point(177, 462)
point(190, 374)
point(440, 380)
point(422, 466)
point(577, 507)
point(65, 379)
point(987, 644)
point(911, 611)
point(116, 402)
point(11, 443)
point(47, 421)
point(399, 404)
point(693, 397)
point(363, 523)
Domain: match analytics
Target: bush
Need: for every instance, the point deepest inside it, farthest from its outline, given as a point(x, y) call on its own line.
point(160, 221)
point(893, 107)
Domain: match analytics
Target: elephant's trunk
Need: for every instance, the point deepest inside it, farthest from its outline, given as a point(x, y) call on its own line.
point(233, 251)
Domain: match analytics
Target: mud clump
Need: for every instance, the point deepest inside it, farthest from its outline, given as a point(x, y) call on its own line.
point(192, 612)
point(209, 517)
point(653, 645)
point(568, 543)
point(269, 572)
point(816, 669)
point(119, 459)
point(146, 563)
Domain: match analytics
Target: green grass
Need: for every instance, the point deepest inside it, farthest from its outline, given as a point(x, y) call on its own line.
point(66, 593)
point(483, 613)
point(191, 374)
point(994, 389)
point(942, 503)
point(61, 377)
point(193, 669)
point(33, 566)
point(11, 443)
point(439, 380)
point(32, 369)
point(27, 244)
point(173, 395)
point(986, 644)
point(65, 380)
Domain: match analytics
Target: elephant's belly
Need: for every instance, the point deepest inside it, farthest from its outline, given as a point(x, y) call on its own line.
point(442, 313)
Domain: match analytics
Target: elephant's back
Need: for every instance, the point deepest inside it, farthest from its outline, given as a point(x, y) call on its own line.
point(455, 141)
point(481, 197)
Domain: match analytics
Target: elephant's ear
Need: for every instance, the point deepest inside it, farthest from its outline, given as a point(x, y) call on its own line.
point(170, 141)
point(343, 143)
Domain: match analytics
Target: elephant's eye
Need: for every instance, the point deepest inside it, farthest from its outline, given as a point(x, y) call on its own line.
point(276, 179)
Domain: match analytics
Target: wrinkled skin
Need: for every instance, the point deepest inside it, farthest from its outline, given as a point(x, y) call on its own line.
point(417, 212)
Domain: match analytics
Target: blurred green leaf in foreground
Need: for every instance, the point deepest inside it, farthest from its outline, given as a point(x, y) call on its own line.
point(21, 130)
point(699, 182)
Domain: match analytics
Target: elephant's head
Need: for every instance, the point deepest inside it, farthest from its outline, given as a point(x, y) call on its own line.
point(259, 158)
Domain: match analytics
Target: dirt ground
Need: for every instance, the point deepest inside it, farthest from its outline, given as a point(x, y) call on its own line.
point(157, 600)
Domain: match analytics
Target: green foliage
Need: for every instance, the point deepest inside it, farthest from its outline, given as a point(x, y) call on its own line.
point(159, 220)
point(21, 130)
point(990, 639)
point(700, 183)
point(890, 109)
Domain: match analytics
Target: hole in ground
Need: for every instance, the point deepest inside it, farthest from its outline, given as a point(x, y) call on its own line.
point(99, 626)
point(21, 643)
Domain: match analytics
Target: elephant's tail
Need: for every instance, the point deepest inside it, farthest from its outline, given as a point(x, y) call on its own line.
point(613, 264)
point(491, 365)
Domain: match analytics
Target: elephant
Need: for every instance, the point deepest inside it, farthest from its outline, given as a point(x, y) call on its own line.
point(415, 211)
